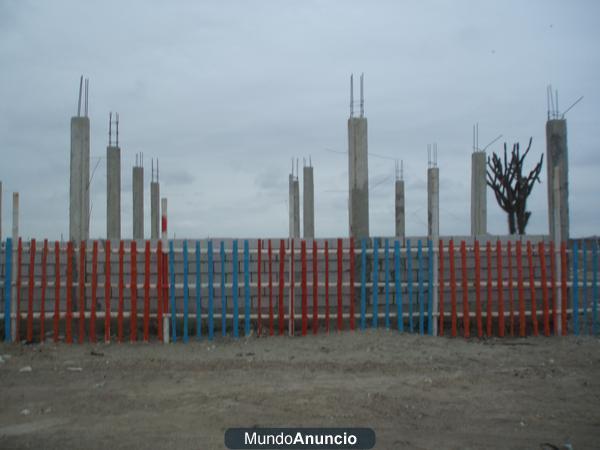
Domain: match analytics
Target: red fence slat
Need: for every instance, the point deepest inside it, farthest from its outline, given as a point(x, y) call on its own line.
point(488, 312)
point(340, 323)
point(81, 334)
point(554, 290)
point(271, 332)
point(304, 287)
point(315, 271)
point(121, 289)
point(532, 288)
point(327, 286)
point(352, 292)
point(147, 291)
point(94, 288)
point(69, 335)
point(542, 252)
point(281, 286)
point(44, 284)
point(465, 289)
point(258, 280)
point(133, 288)
point(107, 296)
point(30, 290)
point(19, 264)
point(441, 289)
point(511, 300)
point(159, 290)
point(478, 289)
point(56, 290)
point(521, 289)
point(564, 275)
point(452, 285)
point(500, 288)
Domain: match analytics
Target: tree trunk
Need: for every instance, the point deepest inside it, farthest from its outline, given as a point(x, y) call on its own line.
point(512, 229)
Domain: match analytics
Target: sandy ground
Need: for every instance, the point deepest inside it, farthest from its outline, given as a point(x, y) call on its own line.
point(415, 392)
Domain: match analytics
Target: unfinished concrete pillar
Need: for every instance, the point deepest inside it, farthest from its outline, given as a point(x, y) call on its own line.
point(138, 201)
point(557, 163)
point(308, 202)
point(291, 204)
point(400, 229)
point(79, 195)
point(433, 202)
point(113, 193)
point(358, 173)
point(478, 194)
point(154, 203)
point(296, 208)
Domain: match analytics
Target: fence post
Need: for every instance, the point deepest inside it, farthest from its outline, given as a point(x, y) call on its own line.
point(211, 292)
point(186, 292)
point(172, 309)
point(7, 290)
point(363, 283)
point(198, 292)
point(575, 289)
point(234, 288)
point(420, 292)
point(386, 269)
point(375, 282)
point(398, 284)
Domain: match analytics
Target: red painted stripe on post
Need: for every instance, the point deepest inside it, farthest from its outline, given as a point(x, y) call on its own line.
point(121, 296)
point(554, 290)
point(352, 292)
point(107, 290)
point(304, 287)
point(30, 290)
point(81, 334)
point(521, 289)
point(94, 288)
point(19, 264)
point(478, 289)
point(259, 293)
point(281, 286)
point(511, 300)
point(532, 288)
point(69, 335)
point(564, 275)
point(465, 289)
point(44, 284)
point(542, 252)
point(315, 309)
point(133, 289)
point(147, 291)
point(292, 324)
point(159, 290)
point(270, 251)
point(500, 288)
point(340, 323)
point(56, 289)
point(327, 286)
point(488, 312)
point(441, 289)
point(452, 287)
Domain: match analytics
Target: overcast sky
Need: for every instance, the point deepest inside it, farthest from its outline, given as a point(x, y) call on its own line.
point(226, 93)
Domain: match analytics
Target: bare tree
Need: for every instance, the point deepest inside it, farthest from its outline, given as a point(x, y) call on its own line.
point(511, 188)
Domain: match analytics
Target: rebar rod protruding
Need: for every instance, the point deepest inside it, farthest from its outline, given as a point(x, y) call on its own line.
point(110, 129)
point(79, 101)
point(351, 95)
point(362, 97)
point(117, 114)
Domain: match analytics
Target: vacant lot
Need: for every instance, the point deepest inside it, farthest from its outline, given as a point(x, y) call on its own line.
point(416, 392)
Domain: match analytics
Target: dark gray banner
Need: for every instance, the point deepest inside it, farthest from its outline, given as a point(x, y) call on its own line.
point(299, 438)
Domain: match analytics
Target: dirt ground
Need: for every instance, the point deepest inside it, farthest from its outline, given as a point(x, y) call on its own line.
point(415, 392)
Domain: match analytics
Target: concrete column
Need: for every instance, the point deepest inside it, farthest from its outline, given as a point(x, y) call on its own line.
point(15, 243)
point(400, 213)
point(557, 164)
point(478, 194)
point(79, 195)
point(308, 200)
point(138, 202)
point(358, 175)
point(113, 193)
point(296, 208)
point(291, 204)
point(165, 246)
point(154, 209)
point(433, 202)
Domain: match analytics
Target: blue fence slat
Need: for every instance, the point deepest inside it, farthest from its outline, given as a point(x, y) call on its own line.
point(386, 263)
point(186, 292)
point(430, 288)
point(375, 281)
point(420, 294)
point(584, 289)
point(211, 292)
point(595, 289)
point(198, 293)
point(575, 290)
point(223, 292)
point(409, 285)
point(398, 284)
point(246, 289)
point(234, 288)
point(7, 289)
point(363, 284)
point(172, 292)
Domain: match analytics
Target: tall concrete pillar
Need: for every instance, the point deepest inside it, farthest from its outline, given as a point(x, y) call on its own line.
point(79, 195)
point(400, 213)
point(138, 202)
point(291, 204)
point(433, 202)
point(113, 193)
point(557, 163)
point(15, 218)
point(358, 174)
point(154, 209)
point(308, 202)
point(478, 194)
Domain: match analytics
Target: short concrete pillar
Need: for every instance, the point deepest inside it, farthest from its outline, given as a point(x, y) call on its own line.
point(400, 222)
point(138, 202)
point(358, 177)
point(79, 193)
point(154, 210)
point(308, 201)
point(557, 164)
point(433, 202)
point(478, 194)
point(113, 193)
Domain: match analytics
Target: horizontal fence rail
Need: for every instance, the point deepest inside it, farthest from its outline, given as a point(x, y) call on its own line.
point(183, 289)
